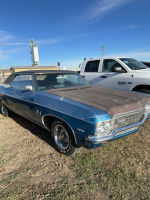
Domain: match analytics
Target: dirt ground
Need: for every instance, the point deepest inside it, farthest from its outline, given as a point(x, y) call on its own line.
point(30, 168)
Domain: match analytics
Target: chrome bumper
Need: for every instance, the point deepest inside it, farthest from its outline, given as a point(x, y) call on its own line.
point(94, 139)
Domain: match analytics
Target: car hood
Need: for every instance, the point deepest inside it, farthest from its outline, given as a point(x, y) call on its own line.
point(109, 100)
point(143, 71)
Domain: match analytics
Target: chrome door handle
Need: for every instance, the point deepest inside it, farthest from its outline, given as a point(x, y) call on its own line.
point(12, 93)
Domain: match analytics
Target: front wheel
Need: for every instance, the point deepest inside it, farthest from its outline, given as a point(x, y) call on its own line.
point(4, 110)
point(63, 138)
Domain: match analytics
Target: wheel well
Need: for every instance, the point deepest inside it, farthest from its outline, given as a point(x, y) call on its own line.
point(138, 87)
point(47, 121)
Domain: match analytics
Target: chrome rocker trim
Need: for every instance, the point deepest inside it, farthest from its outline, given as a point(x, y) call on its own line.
point(94, 139)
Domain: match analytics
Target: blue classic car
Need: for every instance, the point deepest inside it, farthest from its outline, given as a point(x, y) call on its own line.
point(75, 113)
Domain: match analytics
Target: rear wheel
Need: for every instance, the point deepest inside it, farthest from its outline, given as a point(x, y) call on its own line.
point(4, 110)
point(63, 138)
point(144, 90)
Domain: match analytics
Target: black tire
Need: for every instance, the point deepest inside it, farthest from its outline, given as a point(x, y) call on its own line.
point(4, 110)
point(63, 138)
point(144, 90)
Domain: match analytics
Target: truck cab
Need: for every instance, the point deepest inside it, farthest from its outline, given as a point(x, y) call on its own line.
point(117, 73)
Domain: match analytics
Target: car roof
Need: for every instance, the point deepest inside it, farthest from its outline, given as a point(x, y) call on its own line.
point(46, 72)
point(107, 58)
point(10, 77)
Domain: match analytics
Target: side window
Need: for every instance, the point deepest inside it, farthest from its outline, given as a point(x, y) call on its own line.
point(14, 82)
point(92, 66)
point(25, 80)
point(110, 64)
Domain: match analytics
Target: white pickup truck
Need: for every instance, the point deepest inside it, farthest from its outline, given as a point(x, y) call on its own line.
point(117, 73)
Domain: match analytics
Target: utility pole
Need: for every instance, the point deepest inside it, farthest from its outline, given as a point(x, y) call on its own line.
point(102, 48)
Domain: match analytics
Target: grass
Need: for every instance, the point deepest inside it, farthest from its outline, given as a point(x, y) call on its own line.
point(32, 169)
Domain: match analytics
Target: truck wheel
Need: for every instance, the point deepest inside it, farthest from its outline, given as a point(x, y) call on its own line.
point(4, 110)
point(63, 138)
point(144, 90)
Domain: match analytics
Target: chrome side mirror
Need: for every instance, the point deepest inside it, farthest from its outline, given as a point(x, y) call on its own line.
point(117, 69)
point(28, 87)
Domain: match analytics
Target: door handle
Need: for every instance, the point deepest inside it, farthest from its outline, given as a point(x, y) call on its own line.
point(103, 76)
point(83, 76)
point(12, 93)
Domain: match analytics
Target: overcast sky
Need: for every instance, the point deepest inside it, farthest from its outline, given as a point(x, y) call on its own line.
point(69, 31)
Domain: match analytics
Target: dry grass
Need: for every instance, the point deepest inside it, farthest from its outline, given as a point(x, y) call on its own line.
point(32, 169)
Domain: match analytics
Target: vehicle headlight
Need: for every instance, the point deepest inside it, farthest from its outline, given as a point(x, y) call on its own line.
point(103, 128)
point(147, 108)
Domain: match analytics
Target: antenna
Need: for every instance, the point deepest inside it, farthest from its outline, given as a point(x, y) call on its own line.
point(34, 53)
point(102, 48)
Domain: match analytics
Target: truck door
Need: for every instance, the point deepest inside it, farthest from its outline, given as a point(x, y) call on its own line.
point(110, 78)
point(91, 72)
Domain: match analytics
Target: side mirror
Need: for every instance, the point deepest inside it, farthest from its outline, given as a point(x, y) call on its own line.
point(118, 69)
point(28, 87)
point(79, 65)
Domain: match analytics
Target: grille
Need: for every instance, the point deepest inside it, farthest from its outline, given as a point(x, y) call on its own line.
point(127, 131)
point(127, 119)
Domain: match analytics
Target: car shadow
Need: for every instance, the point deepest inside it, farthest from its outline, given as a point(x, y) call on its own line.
point(36, 130)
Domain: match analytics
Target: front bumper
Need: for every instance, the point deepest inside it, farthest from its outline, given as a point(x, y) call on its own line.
point(92, 141)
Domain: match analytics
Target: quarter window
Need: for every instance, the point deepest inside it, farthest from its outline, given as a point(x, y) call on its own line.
point(14, 82)
point(92, 66)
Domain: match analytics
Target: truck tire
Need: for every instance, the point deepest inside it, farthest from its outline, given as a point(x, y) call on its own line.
point(63, 138)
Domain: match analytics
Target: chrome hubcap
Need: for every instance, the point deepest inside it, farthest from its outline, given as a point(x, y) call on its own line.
point(61, 137)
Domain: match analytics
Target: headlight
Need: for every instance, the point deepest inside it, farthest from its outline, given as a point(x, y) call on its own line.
point(103, 128)
point(147, 108)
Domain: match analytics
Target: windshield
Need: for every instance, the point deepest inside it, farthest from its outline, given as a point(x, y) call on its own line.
point(133, 64)
point(57, 81)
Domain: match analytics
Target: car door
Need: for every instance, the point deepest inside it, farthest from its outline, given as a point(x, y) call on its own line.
point(12, 98)
point(91, 72)
point(111, 79)
point(24, 99)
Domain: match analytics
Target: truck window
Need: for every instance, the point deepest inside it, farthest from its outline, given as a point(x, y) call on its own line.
point(92, 66)
point(109, 64)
